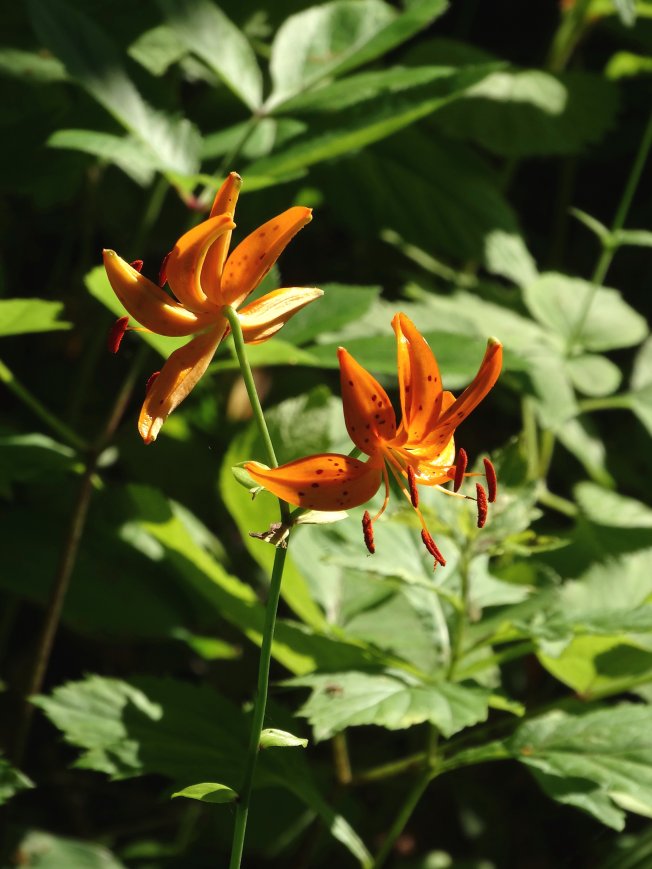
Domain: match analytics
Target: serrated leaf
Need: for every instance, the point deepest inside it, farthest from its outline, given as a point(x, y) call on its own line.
point(594, 375)
point(327, 40)
point(93, 60)
point(208, 792)
point(206, 31)
point(22, 316)
point(12, 781)
point(124, 151)
point(157, 49)
point(558, 301)
point(580, 437)
point(273, 738)
point(392, 100)
point(341, 700)
point(177, 730)
point(611, 508)
point(520, 113)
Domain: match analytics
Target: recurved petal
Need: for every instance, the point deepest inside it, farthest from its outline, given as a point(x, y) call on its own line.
point(327, 481)
point(177, 378)
point(419, 380)
point(471, 397)
point(368, 412)
point(253, 258)
point(264, 317)
point(185, 261)
point(147, 303)
point(433, 468)
point(224, 203)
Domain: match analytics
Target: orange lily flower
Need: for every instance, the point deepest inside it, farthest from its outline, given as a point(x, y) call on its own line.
point(204, 280)
point(421, 451)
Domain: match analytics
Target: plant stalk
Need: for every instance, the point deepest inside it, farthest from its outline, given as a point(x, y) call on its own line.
point(260, 703)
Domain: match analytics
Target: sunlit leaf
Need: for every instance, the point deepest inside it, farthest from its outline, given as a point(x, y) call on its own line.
point(21, 316)
point(12, 781)
point(208, 792)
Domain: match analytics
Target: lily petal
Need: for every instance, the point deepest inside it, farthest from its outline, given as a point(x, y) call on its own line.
point(433, 470)
point(471, 397)
point(147, 303)
point(264, 317)
point(177, 378)
point(368, 412)
point(253, 258)
point(419, 380)
point(224, 203)
point(184, 264)
point(327, 481)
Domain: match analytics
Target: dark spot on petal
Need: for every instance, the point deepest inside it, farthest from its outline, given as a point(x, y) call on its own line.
point(430, 377)
point(373, 397)
point(319, 471)
point(315, 485)
point(350, 383)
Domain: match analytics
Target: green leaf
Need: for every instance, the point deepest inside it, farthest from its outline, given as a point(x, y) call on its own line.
point(157, 49)
point(612, 509)
point(273, 738)
point(340, 304)
point(582, 440)
point(391, 101)
point(625, 64)
point(639, 400)
point(531, 112)
point(12, 781)
point(124, 151)
point(472, 219)
point(22, 316)
point(394, 701)
point(213, 37)
point(208, 792)
point(30, 457)
point(558, 302)
point(30, 67)
point(327, 40)
point(609, 748)
point(93, 60)
point(42, 850)
point(594, 375)
point(626, 10)
point(177, 730)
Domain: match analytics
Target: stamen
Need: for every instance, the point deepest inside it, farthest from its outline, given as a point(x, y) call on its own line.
point(137, 264)
point(116, 334)
point(482, 504)
point(412, 483)
point(151, 380)
point(460, 469)
point(492, 481)
point(162, 273)
point(368, 532)
point(432, 548)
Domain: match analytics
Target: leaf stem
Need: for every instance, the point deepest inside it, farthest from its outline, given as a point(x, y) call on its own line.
point(53, 422)
point(260, 703)
point(609, 249)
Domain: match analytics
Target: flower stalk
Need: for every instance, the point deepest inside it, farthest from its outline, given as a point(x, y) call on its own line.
point(260, 703)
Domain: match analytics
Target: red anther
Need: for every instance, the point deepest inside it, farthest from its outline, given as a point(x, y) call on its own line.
point(481, 497)
point(412, 483)
point(116, 334)
point(492, 481)
point(137, 264)
point(368, 532)
point(151, 380)
point(460, 469)
point(162, 274)
point(432, 548)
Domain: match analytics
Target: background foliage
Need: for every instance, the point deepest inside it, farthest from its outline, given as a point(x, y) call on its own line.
point(475, 165)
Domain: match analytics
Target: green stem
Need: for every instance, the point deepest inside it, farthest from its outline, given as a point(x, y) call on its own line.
point(67, 434)
point(403, 816)
point(260, 703)
point(529, 437)
point(570, 31)
point(389, 770)
point(609, 249)
point(556, 502)
point(244, 797)
point(612, 402)
point(461, 614)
